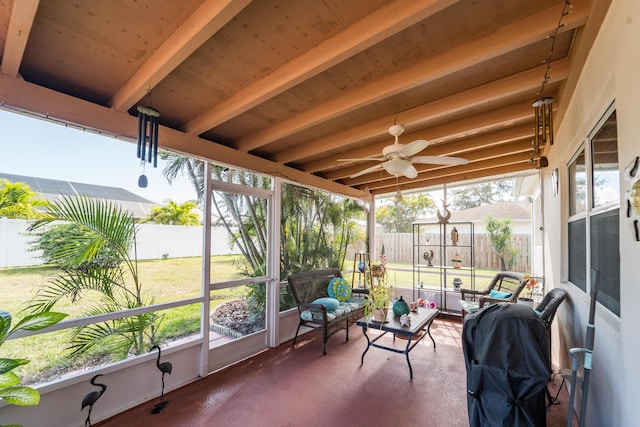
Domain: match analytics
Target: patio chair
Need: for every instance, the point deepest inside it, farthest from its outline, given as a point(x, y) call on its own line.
point(504, 287)
point(549, 304)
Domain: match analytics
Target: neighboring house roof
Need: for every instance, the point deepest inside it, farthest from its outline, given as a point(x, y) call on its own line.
point(498, 210)
point(53, 189)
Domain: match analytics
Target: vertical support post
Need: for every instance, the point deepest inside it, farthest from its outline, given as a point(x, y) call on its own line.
point(273, 265)
point(206, 273)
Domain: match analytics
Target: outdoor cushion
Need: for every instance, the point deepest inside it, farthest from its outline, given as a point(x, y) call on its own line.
point(339, 289)
point(499, 294)
point(343, 308)
point(330, 303)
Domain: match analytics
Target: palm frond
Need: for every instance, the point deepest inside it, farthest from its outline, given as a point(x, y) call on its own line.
point(72, 284)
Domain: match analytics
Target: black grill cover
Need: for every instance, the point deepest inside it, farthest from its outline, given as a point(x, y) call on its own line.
point(506, 352)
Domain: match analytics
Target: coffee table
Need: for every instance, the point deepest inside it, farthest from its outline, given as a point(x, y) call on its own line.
point(420, 327)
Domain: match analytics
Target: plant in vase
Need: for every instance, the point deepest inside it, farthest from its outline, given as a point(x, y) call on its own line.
point(378, 301)
point(527, 293)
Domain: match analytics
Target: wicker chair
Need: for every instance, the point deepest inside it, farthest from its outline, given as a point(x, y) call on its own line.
point(549, 304)
point(508, 282)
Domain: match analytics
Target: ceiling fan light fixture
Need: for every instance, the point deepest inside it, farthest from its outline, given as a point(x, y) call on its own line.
point(397, 167)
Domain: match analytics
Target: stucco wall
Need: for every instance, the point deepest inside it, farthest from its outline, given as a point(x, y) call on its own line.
point(610, 74)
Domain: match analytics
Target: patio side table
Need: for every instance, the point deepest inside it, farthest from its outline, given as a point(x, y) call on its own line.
point(419, 328)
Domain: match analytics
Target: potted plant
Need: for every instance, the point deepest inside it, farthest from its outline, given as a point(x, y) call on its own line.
point(526, 296)
point(378, 301)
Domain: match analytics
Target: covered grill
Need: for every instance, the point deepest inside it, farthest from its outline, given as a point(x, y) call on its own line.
point(507, 355)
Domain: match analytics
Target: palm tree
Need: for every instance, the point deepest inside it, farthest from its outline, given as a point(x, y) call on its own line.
point(18, 200)
point(174, 214)
point(315, 227)
point(499, 234)
point(103, 226)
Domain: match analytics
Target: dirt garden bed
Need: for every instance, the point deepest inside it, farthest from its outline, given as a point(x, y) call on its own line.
point(234, 319)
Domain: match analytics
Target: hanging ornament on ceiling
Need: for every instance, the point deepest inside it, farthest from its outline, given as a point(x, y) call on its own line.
point(543, 109)
point(148, 120)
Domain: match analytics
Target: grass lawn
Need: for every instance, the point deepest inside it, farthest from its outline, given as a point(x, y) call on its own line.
point(162, 280)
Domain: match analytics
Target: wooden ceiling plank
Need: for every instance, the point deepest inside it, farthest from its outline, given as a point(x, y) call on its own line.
point(199, 27)
point(47, 103)
point(23, 13)
point(440, 180)
point(515, 35)
point(374, 28)
point(509, 86)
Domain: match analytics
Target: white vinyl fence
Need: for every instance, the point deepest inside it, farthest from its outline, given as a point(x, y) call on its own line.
point(154, 241)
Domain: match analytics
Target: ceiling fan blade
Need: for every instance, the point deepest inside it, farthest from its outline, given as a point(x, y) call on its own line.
point(414, 147)
point(367, 170)
point(411, 172)
point(439, 160)
point(363, 159)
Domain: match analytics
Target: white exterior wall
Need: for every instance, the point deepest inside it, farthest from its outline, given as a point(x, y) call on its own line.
point(610, 74)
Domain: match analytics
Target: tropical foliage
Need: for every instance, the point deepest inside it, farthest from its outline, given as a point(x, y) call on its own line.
point(486, 193)
point(174, 214)
point(499, 234)
point(400, 214)
point(316, 228)
point(18, 200)
point(10, 389)
point(103, 228)
point(51, 238)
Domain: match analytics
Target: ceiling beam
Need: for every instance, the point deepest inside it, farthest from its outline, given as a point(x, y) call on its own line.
point(199, 27)
point(372, 29)
point(438, 181)
point(22, 14)
point(56, 106)
point(513, 85)
point(513, 36)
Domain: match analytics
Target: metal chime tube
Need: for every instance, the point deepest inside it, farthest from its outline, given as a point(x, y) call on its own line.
point(148, 120)
point(154, 127)
point(536, 140)
point(550, 113)
point(543, 108)
point(543, 121)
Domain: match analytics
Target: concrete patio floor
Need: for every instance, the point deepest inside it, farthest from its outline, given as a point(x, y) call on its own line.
point(289, 386)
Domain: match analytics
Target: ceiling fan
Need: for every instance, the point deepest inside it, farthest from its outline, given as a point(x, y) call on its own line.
point(398, 158)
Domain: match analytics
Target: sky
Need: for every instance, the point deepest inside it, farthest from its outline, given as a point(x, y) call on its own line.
point(43, 149)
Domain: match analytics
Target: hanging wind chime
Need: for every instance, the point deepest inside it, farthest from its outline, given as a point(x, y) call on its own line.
point(147, 139)
point(543, 121)
point(543, 106)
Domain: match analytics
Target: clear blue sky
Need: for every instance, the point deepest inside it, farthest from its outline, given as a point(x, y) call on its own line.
point(43, 149)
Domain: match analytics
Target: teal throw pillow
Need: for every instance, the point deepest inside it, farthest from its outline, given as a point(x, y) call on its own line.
point(499, 294)
point(339, 289)
point(330, 303)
